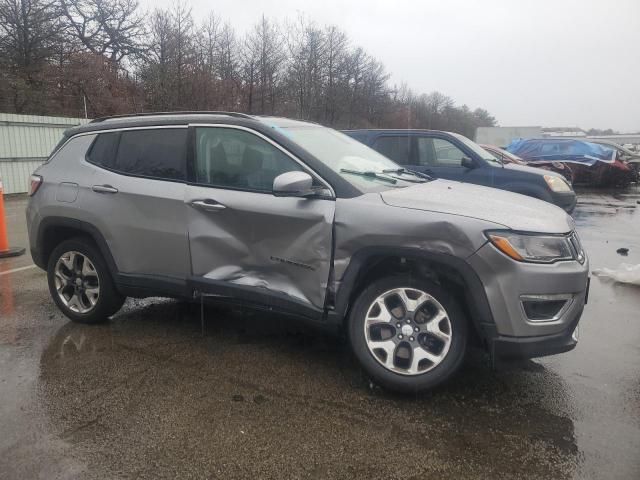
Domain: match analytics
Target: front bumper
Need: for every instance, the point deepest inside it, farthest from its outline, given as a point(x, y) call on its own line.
point(540, 346)
point(508, 282)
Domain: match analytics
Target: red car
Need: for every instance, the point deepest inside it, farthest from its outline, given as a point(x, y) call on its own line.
point(508, 157)
point(591, 163)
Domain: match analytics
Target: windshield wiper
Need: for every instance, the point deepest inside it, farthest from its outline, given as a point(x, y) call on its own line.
point(422, 176)
point(369, 173)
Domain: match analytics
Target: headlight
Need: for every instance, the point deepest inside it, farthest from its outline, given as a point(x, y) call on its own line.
point(532, 248)
point(557, 184)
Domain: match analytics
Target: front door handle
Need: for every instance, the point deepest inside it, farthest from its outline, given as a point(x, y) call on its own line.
point(104, 189)
point(208, 205)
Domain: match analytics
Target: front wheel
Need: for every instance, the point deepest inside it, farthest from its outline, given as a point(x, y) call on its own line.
point(408, 334)
point(80, 282)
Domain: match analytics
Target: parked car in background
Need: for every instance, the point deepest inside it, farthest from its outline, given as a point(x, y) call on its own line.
point(592, 163)
point(625, 154)
point(508, 157)
point(299, 219)
point(455, 157)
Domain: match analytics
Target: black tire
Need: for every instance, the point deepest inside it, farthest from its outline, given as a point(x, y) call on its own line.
point(109, 300)
point(398, 381)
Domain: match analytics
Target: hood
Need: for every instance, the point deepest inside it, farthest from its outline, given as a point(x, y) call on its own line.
point(534, 170)
point(511, 210)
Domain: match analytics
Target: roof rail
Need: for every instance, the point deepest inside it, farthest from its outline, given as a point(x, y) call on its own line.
point(150, 114)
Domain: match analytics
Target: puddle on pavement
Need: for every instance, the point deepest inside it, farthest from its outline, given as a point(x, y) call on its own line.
point(606, 203)
point(149, 393)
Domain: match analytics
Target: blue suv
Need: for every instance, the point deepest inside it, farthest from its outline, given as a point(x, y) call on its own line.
point(455, 157)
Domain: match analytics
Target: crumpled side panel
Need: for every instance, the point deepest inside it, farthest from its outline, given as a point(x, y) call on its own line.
point(381, 225)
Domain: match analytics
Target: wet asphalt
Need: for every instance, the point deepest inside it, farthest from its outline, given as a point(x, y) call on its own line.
point(148, 395)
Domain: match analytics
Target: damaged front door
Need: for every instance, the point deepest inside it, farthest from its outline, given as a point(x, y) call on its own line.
point(245, 242)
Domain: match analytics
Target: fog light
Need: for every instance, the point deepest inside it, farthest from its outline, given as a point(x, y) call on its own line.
point(545, 308)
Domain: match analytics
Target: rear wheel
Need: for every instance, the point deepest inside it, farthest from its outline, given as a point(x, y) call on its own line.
point(408, 334)
point(80, 282)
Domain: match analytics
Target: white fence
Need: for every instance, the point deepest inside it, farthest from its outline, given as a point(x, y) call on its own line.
point(25, 142)
point(15, 174)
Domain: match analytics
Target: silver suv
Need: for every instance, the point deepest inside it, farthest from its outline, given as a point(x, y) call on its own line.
point(300, 219)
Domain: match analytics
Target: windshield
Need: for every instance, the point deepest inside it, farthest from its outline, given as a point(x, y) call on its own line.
point(357, 163)
point(478, 150)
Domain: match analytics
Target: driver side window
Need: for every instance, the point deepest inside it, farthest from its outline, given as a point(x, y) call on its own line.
point(232, 158)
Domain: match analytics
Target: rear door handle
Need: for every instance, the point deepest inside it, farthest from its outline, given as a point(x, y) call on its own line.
point(208, 205)
point(104, 189)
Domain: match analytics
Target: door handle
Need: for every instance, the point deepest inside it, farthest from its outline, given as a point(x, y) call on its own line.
point(104, 189)
point(208, 205)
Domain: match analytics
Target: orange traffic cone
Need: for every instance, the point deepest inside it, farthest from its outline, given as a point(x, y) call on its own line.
point(5, 251)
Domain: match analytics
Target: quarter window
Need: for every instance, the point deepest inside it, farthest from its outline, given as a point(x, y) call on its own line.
point(234, 158)
point(103, 150)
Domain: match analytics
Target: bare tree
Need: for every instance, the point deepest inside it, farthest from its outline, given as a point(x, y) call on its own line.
point(306, 45)
point(182, 42)
point(113, 28)
point(55, 55)
point(264, 59)
point(336, 53)
point(29, 32)
point(155, 68)
point(207, 60)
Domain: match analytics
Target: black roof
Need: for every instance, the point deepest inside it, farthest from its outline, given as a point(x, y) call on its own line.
point(162, 118)
point(157, 114)
point(268, 126)
point(182, 118)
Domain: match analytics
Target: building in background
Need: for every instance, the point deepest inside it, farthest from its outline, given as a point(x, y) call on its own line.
point(502, 136)
point(572, 132)
point(25, 143)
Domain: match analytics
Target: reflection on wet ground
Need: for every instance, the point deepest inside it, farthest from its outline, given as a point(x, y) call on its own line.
point(147, 395)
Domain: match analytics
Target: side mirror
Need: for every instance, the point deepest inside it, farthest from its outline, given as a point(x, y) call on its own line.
point(292, 184)
point(468, 163)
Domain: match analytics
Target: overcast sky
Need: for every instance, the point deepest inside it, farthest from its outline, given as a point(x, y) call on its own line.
point(542, 62)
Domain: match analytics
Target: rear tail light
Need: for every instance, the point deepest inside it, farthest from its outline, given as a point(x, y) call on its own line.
point(36, 181)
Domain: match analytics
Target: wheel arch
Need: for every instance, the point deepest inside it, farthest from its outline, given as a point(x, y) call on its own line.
point(54, 230)
point(452, 272)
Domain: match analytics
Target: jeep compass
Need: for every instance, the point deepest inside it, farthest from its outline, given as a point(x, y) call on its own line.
point(300, 219)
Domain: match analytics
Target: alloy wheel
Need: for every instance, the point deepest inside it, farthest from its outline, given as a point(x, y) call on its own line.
point(407, 331)
point(77, 282)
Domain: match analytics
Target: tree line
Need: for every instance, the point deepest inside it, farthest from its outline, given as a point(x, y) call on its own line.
point(105, 57)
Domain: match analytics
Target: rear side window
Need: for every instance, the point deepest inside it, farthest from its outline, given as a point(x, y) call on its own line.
point(103, 150)
point(159, 153)
point(397, 149)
